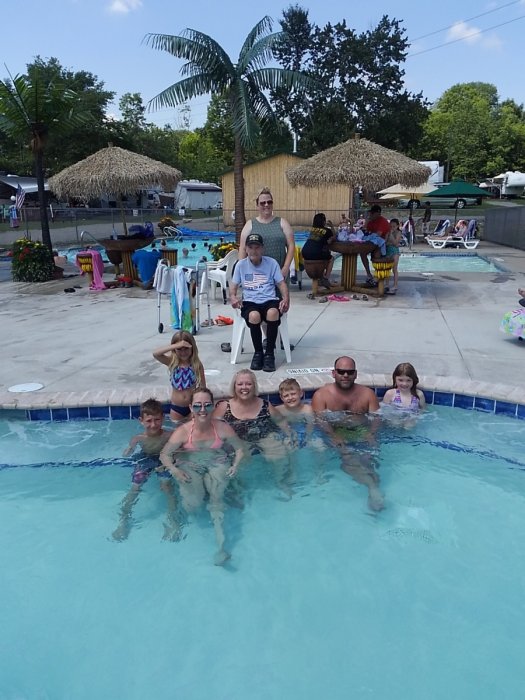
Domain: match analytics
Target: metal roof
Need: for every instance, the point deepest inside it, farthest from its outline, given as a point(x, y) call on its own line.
point(28, 184)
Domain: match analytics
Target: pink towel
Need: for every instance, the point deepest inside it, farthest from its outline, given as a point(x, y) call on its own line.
point(98, 268)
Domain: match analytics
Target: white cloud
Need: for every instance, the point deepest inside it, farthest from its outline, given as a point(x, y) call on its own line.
point(461, 30)
point(472, 35)
point(122, 7)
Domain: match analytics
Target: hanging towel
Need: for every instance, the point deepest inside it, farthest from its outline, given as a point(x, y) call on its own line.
point(181, 318)
point(98, 270)
point(91, 261)
point(163, 279)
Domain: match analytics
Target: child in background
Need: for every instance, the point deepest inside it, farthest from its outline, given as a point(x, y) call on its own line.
point(404, 392)
point(186, 372)
point(393, 242)
point(151, 442)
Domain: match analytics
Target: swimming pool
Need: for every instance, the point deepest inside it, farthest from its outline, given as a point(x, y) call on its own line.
point(423, 600)
point(453, 262)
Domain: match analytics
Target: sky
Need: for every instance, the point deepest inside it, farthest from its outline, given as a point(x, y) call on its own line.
point(452, 41)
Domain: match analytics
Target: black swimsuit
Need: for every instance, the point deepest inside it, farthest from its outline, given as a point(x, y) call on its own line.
point(252, 429)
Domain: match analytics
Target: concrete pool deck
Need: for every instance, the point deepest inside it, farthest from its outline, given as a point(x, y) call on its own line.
point(94, 348)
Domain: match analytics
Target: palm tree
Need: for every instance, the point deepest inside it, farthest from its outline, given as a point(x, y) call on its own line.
point(30, 107)
point(209, 69)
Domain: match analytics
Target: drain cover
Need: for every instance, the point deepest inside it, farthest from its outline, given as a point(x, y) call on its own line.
point(23, 388)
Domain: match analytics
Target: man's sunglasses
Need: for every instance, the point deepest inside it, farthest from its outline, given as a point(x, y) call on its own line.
point(197, 407)
point(349, 372)
point(267, 202)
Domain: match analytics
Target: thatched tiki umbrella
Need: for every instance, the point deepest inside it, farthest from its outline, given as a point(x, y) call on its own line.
point(113, 170)
point(358, 162)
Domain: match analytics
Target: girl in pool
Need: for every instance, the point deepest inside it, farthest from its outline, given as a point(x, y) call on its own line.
point(204, 448)
point(404, 392)
point(185, 369)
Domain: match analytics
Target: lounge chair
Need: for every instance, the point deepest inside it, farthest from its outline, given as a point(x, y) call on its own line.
point(467, 240)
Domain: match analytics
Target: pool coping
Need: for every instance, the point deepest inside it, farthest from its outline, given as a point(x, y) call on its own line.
point(123, 403)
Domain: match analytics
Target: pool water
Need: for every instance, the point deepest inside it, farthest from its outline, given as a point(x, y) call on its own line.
point(414, 262)
point(424, 600)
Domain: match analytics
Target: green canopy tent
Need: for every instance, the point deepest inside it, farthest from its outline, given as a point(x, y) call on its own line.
point(458, 189)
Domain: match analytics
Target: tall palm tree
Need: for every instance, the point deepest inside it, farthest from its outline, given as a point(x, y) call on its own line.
point(209, 70)
point(30, 107)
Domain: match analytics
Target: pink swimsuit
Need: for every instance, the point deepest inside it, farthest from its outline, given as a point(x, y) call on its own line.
point(216, 444)
point(398, 402)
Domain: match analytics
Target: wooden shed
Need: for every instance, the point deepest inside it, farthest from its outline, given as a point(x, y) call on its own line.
point(297, 204)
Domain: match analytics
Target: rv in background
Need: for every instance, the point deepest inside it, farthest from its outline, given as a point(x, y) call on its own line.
point(437, 171)
point(511, 184)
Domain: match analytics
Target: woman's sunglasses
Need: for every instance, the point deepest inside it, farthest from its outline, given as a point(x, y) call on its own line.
point(197, 407)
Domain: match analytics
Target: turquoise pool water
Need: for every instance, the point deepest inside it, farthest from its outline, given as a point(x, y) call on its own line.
point(320, 599)
point(414, 262)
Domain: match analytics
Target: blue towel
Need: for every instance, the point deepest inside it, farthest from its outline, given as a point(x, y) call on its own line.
point(181, 318)
point(377, 240)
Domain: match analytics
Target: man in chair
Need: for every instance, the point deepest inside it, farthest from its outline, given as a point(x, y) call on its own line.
point(259, 275)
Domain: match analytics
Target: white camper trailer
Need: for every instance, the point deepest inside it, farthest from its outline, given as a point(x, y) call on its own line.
point(511, 183)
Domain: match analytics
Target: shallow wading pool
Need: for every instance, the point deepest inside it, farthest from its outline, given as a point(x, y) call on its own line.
point(320, 599)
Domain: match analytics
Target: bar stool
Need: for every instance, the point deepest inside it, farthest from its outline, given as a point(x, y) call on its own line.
point(239, 327)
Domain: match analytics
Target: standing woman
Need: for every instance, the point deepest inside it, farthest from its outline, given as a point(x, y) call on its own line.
point(186, 372)
point(278, 236)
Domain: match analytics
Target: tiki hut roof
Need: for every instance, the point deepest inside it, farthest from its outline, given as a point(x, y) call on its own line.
point(113, 170)
point(358, 162)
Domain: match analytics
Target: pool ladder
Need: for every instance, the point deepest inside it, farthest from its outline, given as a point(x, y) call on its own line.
point(87, 233)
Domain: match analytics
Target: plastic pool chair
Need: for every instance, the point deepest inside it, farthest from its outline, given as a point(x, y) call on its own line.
point(239, 327)
point(220, 273)
point(467, 240)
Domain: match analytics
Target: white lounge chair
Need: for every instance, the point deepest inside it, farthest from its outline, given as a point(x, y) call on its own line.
point(467, 240)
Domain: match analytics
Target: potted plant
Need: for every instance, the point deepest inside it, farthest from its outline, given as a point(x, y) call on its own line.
point(32, 261)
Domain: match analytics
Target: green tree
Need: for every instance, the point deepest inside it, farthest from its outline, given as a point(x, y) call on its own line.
point(508, 140)
point(209, 70)
point(133, 110)
point(30, 108)
point(66, 143)
point(360, 84)
point(460, 129)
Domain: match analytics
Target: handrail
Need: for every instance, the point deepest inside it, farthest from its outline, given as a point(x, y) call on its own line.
point(87, 233)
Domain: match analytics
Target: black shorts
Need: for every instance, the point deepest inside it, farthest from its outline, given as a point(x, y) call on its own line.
point(248, 306)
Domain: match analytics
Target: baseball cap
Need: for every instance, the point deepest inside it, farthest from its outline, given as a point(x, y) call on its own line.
point(254, 238)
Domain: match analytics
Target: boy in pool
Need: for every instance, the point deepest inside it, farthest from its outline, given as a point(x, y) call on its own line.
point(293, 407)
point(151, 442)
point(298, 415)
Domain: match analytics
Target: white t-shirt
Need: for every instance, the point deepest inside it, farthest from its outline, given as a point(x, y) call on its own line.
point(258, 281)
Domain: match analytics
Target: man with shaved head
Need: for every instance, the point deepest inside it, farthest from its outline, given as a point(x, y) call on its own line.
point(343, 409)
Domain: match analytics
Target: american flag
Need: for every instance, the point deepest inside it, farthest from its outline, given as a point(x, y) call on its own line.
point(255, 280)
point(20, 196)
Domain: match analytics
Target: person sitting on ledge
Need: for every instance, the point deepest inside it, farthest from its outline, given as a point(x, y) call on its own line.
point(377, 227)
point(316, 247)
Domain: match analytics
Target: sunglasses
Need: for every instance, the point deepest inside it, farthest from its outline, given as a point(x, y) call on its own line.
point(349, 372)
point(266, 203)
point(197, 407)
point(184, 347)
